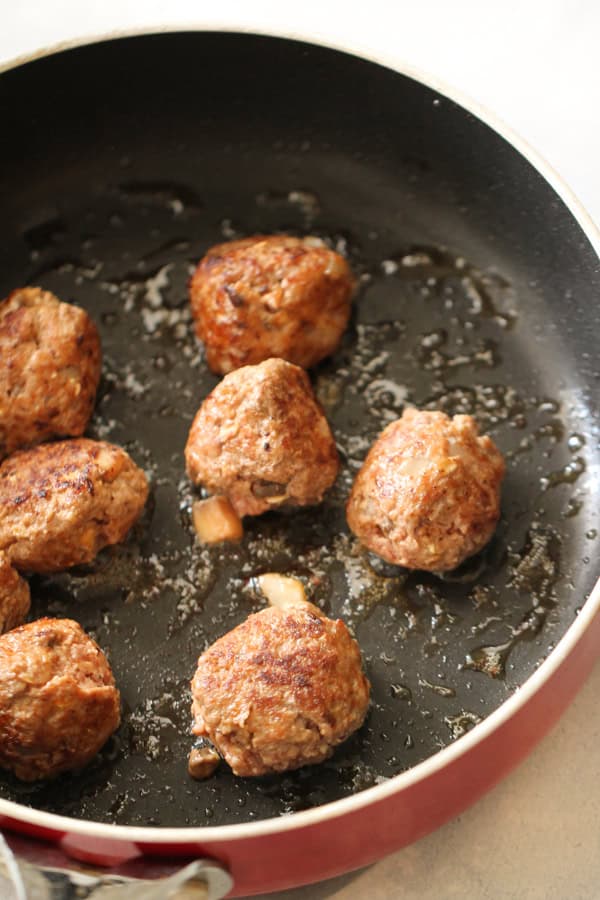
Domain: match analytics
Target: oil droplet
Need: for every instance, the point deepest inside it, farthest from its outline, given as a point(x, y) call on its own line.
point(575, 442)
point(307, 202)
point(400, 691)
point(461, 723)
point(518, 421)
point(484, 624)
point(411, 260)
point(431, 648)
point(531, 624)
point(548, 406)
point(440, 689)
point(591, 534)
point(567, 475)
point(489, 660)
point(434, 339)
point(481, 595)
point(572, 508)
point(554, 430)
point(537, 568)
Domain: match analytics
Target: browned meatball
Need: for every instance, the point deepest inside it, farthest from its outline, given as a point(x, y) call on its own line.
point(50, 363)
point(428, 494)
point(280, 691)
point(58, 700)
point(61, 503)
point(261, 439)
point(270, 296)
point(14, 596)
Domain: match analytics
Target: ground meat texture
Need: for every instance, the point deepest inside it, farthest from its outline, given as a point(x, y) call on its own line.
point(270, 296)
point(61, 503)
point(50, 362)
point(58, 700)
point(428, 494)
point(261, 439)
point(14, 596)
point(280, 691)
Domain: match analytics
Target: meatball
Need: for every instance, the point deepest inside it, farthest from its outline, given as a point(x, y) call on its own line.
point(14, 596)
point(58, 700)
point(61, 503)
point(261, 439)
point(270, 296)
point(280, 691)
point(428, 494)
point(50, 362)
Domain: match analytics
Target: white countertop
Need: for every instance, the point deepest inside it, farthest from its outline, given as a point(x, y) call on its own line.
point(535, 65)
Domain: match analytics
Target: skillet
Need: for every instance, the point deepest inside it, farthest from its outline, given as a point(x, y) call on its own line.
point(126, 160)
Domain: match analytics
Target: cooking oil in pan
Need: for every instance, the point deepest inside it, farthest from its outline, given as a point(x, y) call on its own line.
point(429, 329)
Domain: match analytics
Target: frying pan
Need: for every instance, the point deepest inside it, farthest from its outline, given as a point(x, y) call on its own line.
point(478, 288)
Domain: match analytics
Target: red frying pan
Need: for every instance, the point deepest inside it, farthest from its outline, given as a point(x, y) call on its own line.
point(126, 160)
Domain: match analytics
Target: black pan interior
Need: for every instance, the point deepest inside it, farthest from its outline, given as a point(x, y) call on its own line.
point(121, 163)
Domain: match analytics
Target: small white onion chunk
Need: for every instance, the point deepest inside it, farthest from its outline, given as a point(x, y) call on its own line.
point(282, 590)
point(202, 762)
point(216, 520)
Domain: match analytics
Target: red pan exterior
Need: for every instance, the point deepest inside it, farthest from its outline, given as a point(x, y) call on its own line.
point(290, 856)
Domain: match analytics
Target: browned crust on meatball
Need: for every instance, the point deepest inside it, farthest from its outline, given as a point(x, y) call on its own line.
point(14, 596)
point(50, 361)
point(270, 296)
point(428, 494)
point(58, 700)
point(261, 439)
point(61, 503)
point(280, 691)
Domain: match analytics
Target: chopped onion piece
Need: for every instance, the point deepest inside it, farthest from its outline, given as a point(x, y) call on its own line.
point(202, 762)
point(282, 590)
point(216, 520)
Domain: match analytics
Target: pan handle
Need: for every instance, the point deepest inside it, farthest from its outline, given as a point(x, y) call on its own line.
point(21, 880)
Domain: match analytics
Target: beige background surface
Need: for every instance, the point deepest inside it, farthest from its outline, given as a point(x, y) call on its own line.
point(536, 836)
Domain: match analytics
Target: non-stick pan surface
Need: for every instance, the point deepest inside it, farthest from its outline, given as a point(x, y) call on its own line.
point(121, 163)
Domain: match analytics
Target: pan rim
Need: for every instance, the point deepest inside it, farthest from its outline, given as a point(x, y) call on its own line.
point(157, 835)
